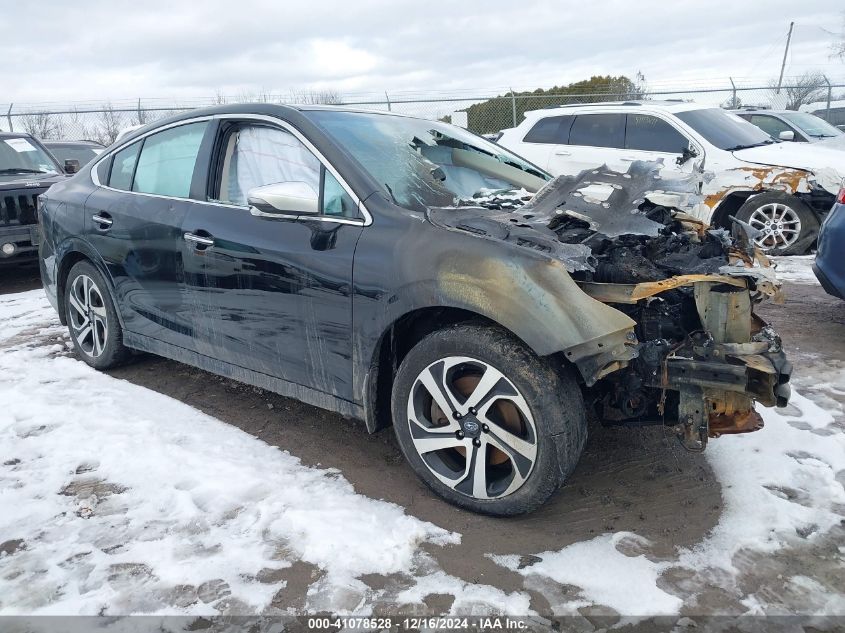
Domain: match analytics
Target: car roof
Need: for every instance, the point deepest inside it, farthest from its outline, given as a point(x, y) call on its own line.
point(283, 111)
point(55, 143)
point(761, 110)
point(667, 105)
point(14, 134)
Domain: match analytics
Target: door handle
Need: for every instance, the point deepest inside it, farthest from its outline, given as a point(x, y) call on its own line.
point(562, 152)
point(198, 240)
point(103, 219)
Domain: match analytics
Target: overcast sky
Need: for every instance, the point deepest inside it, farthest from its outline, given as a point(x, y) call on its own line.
point(93, 50)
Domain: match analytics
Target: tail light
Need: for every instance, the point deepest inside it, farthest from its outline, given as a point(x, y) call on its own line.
point(841, 197)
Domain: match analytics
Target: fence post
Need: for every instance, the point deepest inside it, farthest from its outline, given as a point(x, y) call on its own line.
point(389, 109)
point(827, 109)
point(733, 97)
point(9, 117)
point(513, 107)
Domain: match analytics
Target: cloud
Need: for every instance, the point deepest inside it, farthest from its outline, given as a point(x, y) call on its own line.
point(115, 49)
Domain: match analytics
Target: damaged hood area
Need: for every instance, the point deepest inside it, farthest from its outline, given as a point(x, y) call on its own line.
point(825, 164)
point(612, 227)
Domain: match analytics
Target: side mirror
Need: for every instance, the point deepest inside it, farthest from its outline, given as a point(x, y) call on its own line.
point(686, 154)
point(71, 166)
point(283, 198)
point(787, 135)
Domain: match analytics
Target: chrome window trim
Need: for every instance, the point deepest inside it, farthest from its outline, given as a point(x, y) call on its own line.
point(366, 220)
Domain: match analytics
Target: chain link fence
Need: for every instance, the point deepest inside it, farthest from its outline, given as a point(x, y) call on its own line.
point(480, 113)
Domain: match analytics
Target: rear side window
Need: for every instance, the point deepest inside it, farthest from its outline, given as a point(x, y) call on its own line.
point(123, 167)
point(598, 130)
point(552, 129)
point(650, 134)
point(167, 161)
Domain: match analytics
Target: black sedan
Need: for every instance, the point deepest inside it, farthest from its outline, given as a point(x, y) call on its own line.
point(403, 272)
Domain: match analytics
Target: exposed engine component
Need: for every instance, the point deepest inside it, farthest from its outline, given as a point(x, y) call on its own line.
point(702, 356)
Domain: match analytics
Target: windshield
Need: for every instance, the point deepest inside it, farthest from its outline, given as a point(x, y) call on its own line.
point(423, 163)
point(82, 153)
point(725, 130)
point(19, 155)
point(811, 125)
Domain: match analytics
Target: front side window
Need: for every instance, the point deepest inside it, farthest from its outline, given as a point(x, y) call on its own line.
point(770, 125)
point(123, 167)
point(651, 134)
point(166, 164)
point(255, 156)
point(551, 130)
point(598, 130)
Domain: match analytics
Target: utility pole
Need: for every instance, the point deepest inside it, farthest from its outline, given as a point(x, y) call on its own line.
point(785, 51)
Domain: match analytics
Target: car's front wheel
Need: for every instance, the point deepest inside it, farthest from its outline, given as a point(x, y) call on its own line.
point(785, 224)
point(91, 317)
point(484, 422)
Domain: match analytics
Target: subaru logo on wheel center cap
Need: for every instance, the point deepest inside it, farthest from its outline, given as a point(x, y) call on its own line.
point(470, 427)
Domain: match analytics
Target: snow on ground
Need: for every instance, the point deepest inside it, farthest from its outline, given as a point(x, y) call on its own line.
point(116, 499)
point(796, 269)
point(783, 487)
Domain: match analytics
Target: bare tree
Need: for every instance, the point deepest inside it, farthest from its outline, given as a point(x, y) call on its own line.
point(732, 103)
point(108, 125)
point(313, 97)
point(838, 48)
point(43, 125)
point(75, 127)
point(805, 89)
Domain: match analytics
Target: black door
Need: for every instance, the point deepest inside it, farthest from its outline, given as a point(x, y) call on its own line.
point(135, 224)
point(273, 294)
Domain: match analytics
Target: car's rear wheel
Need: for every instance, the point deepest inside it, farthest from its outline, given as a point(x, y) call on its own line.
point(484, 422)
point(787, 226)
point(91, 317)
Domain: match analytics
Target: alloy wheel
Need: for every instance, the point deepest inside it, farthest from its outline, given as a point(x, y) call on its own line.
point(779, 224)
point(472, 427)
point(88, 316)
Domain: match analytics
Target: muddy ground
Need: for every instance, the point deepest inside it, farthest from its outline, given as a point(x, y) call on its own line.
point(628, 479)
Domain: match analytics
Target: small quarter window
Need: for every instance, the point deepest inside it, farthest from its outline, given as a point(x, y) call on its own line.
point(123, 167)
point(335, 199)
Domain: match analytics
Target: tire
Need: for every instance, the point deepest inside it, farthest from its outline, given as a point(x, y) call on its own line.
point(790, 225)
point(92, 319)
point(531, 431)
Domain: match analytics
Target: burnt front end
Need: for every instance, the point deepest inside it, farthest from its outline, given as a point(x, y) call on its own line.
point(704, 358)
point(19, 224)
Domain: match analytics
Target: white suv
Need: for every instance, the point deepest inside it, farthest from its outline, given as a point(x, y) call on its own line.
point(781, 189)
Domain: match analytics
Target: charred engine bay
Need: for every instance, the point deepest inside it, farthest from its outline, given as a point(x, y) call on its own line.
point(622, 238)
